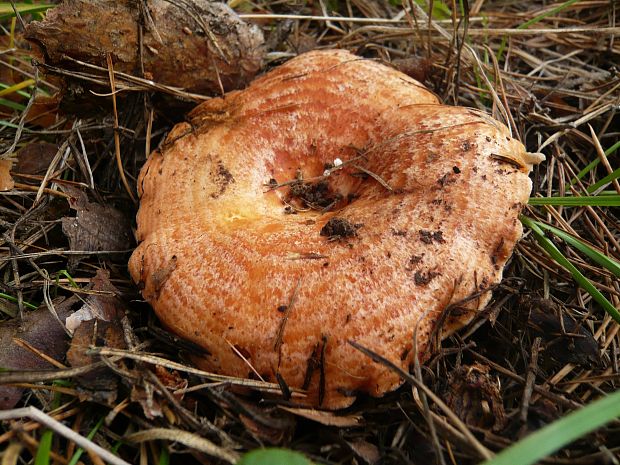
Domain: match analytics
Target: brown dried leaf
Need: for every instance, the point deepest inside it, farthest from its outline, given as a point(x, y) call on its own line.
point(271, 425)
point(6, 181)
point(475, 397)
point(99, 385)
point(105, 306)
point(146, 398)
point(567, 341)
point(95, 227)
point(368, 452)
point(41, 330)
point(44, 111)
point(326, 418)
point(97, 323)
point(416, 67)
point(35, 158)
point(177, 51)
point(171, 379)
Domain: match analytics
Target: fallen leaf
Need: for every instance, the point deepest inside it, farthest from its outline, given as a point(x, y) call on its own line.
point(35, 158)
point(326, 418)
point(368, 452)
point(99, 385)
point(105, 306)
point(6, 181)
point(145, 396)
point(44, 111)
point(270, 425)
point(474, 395)
point(567, 341)
point(97, 323)
point(95, 227)
point(41, 330)
point(416, 67)
point(172, 380)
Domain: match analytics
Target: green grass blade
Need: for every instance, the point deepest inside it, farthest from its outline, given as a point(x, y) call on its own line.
point(8, 124)
point(6, 10)
point(273, 456)
point(603, 260)
point(554, 253)
point(578, 201)
point(594, 163)
point(45, 447)
point(534, 20)
point(164, 456)
point(10, 298)
point(440, 9)
point(552, 437)
point(22, 93)
point(606, 180)
point(5, 89)
point(66, 274)
point(11, 104)
point(91, 434)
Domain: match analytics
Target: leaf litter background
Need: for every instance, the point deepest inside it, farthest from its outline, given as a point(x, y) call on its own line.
point(541, 349)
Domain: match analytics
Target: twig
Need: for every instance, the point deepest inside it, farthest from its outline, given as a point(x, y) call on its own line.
point(154, 360)
point(191, 440)
point(530, 379)
point(117, 141)
point(37, 415)
point(482, 451)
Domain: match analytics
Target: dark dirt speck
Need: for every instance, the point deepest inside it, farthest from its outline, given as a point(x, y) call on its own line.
point(421, 278)
point(428, 237)
point(317, 195)
point(339, 228)
point(221, 178)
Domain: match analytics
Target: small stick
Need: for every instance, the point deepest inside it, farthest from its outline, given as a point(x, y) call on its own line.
point(601, 154)
point(529, 381)
point(280, 333)
point(375, 176)
point(241, 356)
point(37, 415)
point(154, 360)
point(117, 140)
point(317, 178)
point(26, 345)
point(482, 451)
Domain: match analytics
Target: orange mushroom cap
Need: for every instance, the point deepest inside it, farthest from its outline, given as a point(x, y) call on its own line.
point(334, 199)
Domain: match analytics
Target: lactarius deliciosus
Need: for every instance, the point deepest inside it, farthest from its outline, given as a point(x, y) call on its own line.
point(333, 200)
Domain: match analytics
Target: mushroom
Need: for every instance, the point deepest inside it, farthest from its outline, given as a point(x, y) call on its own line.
point(333, 200)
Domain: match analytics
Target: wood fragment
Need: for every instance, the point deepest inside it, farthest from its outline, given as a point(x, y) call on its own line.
point(221, 48)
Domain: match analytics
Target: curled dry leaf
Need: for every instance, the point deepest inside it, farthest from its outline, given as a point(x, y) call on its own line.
point(368, 452)
point(99, 385)
point(418, 213)
point(271, 425)
point(474, 396)
point(104, 306)
point(566, 340)
point(35, 158)
point(96, 323)
point(6, 180)
point(327, 418)
point(145, 396)
point(193, 44)
point(95, 227)
point(41, 330)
